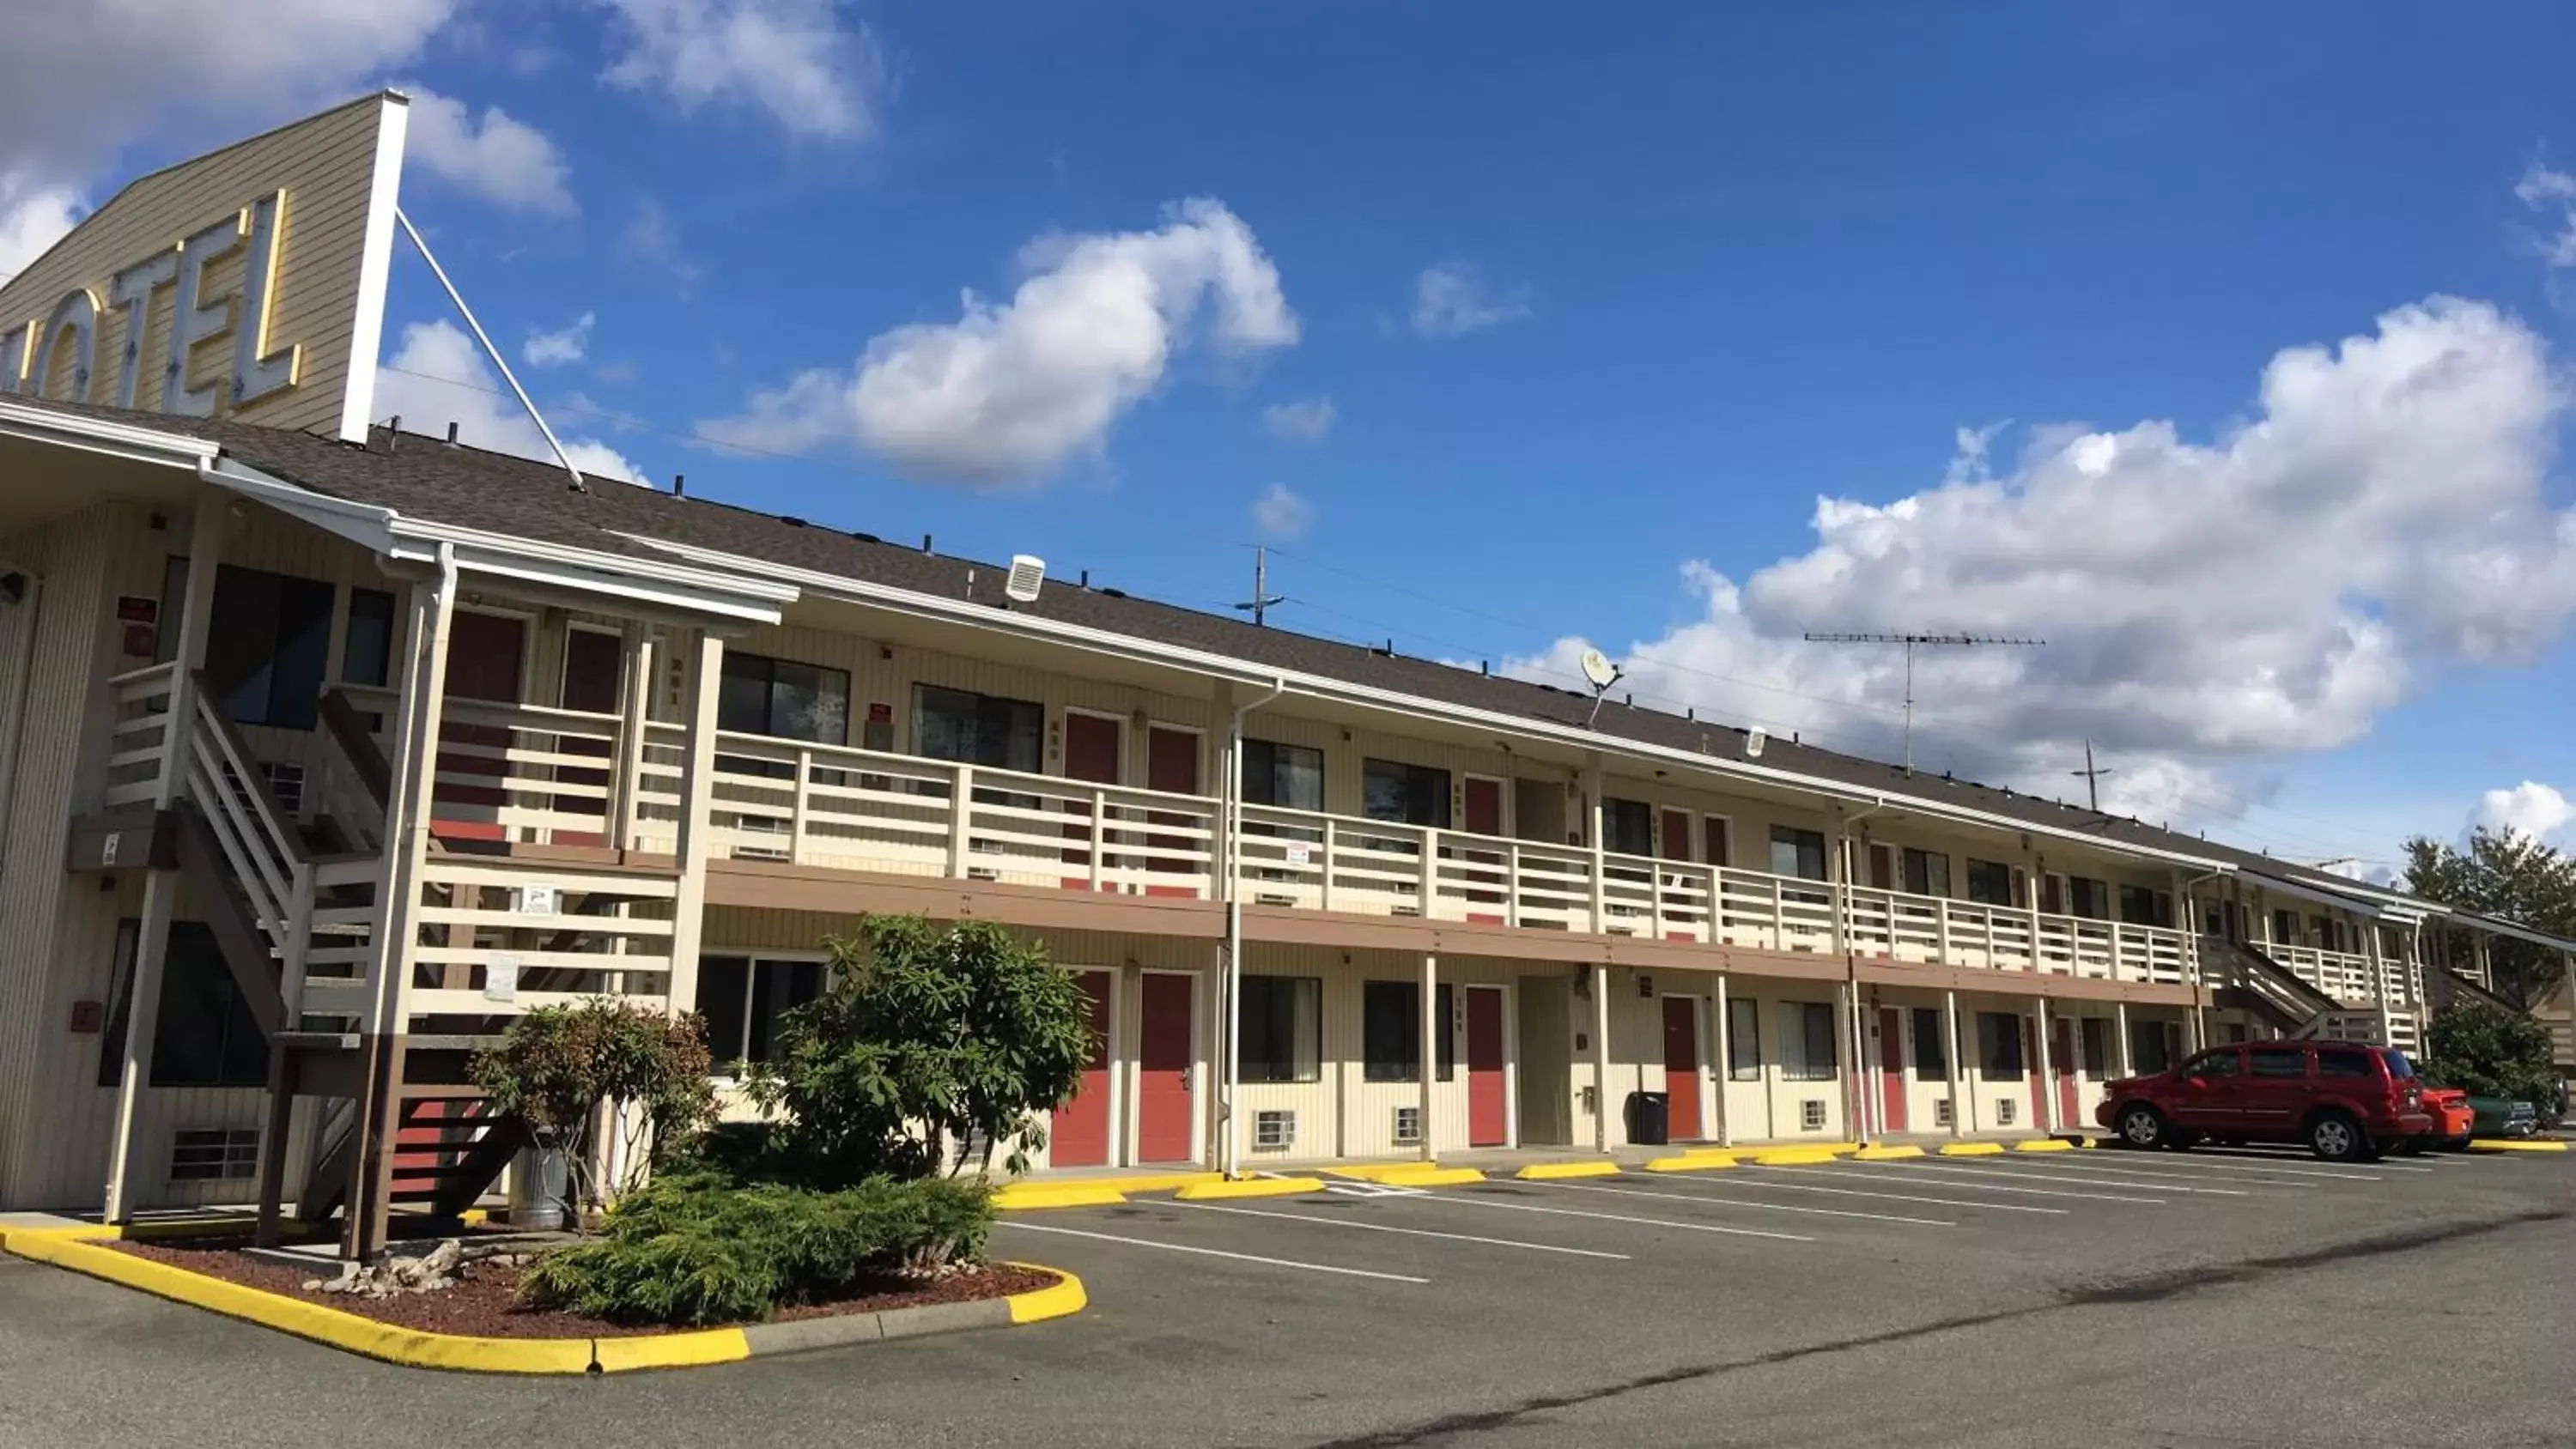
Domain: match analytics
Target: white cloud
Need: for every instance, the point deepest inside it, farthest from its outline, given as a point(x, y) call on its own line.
point(438, 376)
point(2207, 605)
point(32, 218)
point(2553, 195)
point(2530, 808)
point(1009, 392)
point(1282, 513)
point(1454, 298)
point(497, 158)
point(561, 346)
point(815, 75)
point(1301, 422)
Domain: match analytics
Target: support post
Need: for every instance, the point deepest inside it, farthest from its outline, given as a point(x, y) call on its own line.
point(2047, 1069)
point(2378, 977)
point(2120, 1024)
point(1601, 1058)
point(635, 715)
point(1950, 1059)
point(697, 799)
point(1959, 1044)
point(161, 887)
point(1725, 1059)
point(270, 1228)
point(1432, 1025)
point(1592, 788)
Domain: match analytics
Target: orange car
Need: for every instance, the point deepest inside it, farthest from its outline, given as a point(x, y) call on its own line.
point(2452, 1117)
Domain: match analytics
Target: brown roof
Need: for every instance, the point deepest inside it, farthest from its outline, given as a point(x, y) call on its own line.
point(424, 477)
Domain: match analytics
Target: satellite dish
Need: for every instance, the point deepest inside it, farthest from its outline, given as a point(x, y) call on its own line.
point(1598, 668)
point(1754, 740)
point(1028, 572)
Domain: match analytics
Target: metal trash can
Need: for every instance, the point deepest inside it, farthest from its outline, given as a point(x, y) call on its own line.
point(1650, 1116)
point(539, 1182)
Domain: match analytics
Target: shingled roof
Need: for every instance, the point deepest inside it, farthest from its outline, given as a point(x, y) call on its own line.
point(427, 478)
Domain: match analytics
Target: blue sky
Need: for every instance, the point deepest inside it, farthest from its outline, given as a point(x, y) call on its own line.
point(1705, 265)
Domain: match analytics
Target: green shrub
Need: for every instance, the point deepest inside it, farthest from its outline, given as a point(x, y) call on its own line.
point(558, 1065)
point(695, 1247)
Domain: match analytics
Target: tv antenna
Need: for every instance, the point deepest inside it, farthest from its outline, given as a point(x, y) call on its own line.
point(2092, 775)
point(1262, 598)
point(1911, 641)
point(1601, 674)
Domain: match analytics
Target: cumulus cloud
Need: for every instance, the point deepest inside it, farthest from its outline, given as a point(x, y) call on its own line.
point(2551, 194)
point(562, 346)
point(1306, 421)
point(32, 218)
point(2207, 604)
point(1012, 390)
point(438, 376)
point(1452, 299)
point(494, 157)
point(1282, 513)
point(813, 72)
point(2530, 808)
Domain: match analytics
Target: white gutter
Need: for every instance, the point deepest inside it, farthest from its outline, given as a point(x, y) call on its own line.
point(1126, 646)
point(1230, 812)
point(100, 435)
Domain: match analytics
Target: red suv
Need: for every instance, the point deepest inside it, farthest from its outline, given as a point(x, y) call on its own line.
point(2345, 1101)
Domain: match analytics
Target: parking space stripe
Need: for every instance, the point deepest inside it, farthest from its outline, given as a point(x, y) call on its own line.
point(2251, 1154)
point(2036, 1174)
point(1027, 1227)
point(1751, 1180)
point(1677, 1190)
point(2181, 1165)
point(1409, 1232)
point(1469, 1199)
point(1885, 1167)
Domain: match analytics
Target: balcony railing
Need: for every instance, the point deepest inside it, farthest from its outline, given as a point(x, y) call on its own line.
point(2345, 976)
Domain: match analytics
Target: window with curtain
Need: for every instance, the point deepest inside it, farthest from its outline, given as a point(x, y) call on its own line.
point(2088, 898)
point(367, 646)
point(1807, 1034)
point(205, 1036)
point(2145, 906)
point(1290, 777)
point(1931, 1044)
point(1391, 1031)
point(1927, 872)
point(1990, 882)
point(1283, 1028)
point(1413, 794)
point(1743, 1040)
point(1999, 1046)
point(2150, 1050)
point(1627, 827)
point(2094, 1032)
point(268, 642)
point(742, 999)
point(979, 729)
point(1797, 853)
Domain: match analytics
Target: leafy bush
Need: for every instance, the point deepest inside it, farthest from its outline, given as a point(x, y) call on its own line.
point(697, 1248)
point(924, 1038)
point(2492, 1053)
point(558, 1065)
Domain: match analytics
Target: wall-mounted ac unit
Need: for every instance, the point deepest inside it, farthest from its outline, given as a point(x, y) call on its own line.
point(2005, 1111)
point(1811, 1115)
point(1942, 1115)
point(1274, 1131)
point(1408, 1126)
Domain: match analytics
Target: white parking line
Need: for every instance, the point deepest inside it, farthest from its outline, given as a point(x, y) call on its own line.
point(1839, 1170)
point(1209, 1252)
point(1920, 1165)
point(2175, 1164)
point(1677, 1190)
point(2256, 1154)
point(1471, 1200)
point(1390, 1228)
point(1999, 1207)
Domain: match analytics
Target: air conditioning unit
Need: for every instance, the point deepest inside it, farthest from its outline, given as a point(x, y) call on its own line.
point(286, 783)
point(1942, 1115)
point(1408, 1126)
point(1274, 1131)
point(1811, 1115)
point(2005, 1112)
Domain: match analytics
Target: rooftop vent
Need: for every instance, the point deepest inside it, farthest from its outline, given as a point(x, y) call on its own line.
point(1113, 593)
point(791, 520)
point(1027, 576)
point(865, 537)
point(1754, 740)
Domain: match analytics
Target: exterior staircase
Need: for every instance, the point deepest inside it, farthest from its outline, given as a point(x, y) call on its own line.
point(2254, 982)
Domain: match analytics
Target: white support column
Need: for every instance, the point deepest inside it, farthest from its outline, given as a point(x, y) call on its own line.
point(697, 797)
point(1724, 1057)
point(2378, 977)
point(1960, 1045)
point(2120, 1025)
point(161, 887)
point(1950, 1060)
point(1601, 1058)
point(1433, 1023)
point(1592, 790)
point(2048, 1111)
point(1856, 1113)
point(635, 713)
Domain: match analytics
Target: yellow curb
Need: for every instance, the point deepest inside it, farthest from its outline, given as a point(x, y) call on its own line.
point(1131, 1182)
point(1692, 1162)
point(2515, 1144)
point(1250, 1187)
point(82, 1233)
point(2043, 1144)
point(1971, 1149)
point(1038, 1305)
point(1798, 1156)
point(1437, 1177)
point(1410, 1174)
point(1022, 1196)
point(1885, 1154)
point(1550, 1171)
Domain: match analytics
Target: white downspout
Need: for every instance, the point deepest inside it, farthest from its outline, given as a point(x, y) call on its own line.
point(1230, 819)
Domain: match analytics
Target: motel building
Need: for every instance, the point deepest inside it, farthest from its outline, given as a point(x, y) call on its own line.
point(327, 747)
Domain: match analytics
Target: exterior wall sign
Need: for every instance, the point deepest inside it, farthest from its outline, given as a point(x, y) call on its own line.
point(248, 283)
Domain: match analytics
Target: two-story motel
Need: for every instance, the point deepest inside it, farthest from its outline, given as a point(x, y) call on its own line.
point(327, 748)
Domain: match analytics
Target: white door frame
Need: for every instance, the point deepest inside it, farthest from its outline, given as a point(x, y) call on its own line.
point(1131, 1118)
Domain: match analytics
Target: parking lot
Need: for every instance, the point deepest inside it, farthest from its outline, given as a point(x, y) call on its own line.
point(2064, 1298)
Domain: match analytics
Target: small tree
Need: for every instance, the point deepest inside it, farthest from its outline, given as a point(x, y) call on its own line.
point(558, 1066)
point(923, 1038)
point(2492, 1053)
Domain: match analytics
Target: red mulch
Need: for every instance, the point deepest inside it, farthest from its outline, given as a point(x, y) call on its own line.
point(483, 1304)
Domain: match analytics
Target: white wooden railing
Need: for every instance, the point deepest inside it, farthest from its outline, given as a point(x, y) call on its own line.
point(2345, 976)
point(139, 735)
point(258, 843)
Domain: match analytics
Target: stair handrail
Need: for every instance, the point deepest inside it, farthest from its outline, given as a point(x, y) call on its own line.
point(279, 866)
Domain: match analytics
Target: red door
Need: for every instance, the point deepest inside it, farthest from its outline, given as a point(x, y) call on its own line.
point(1891, 1069)
point(484, 652)
point(1079, 1136)
point(594, 666)
point(1681, 1067)
point(1488, 1119)
point(2030, 1070)
point(1172, 766)
point(1163, 1069)
point(1484, 804)
point(2062, 1064)
point(1091, 755)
